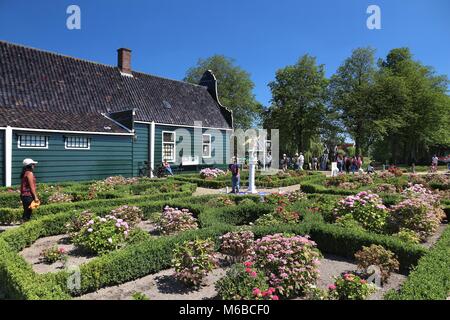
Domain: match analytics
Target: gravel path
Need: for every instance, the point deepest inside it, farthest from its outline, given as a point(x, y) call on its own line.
point(205, 191)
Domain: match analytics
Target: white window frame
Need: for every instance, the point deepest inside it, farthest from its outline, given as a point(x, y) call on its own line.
point(210, 146)
point(66, 140)
point(174, 146)
point(19, 140)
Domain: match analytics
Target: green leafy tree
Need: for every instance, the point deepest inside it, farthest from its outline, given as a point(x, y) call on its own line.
point(298, 107)
point(351, 93)
point(235, 88)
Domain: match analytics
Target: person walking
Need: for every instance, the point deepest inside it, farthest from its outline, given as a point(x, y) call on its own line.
point(348, 164)
point(300, 161)
point(28, 192)
point(284, 162)
point(268, 160)
point(434, 163)
point(340, 162)
point(235, 176)
point(295, 161)
point(354, 164)
point(314, 163)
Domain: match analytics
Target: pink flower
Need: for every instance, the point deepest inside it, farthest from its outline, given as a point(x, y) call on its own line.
point(331, 287)
point(248, 264)
point(256, 291)
point(275, 298)
point(253, 274)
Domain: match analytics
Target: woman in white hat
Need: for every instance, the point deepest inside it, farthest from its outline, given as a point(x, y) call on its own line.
point(28, 187)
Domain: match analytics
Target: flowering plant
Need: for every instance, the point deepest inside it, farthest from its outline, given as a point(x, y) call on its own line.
point(77, 222)
point(350, 287)
point(386, 176)
point(54, 254)
point(102, 234)
point(211, 173)
point(290, 263)
point(363, 179)
point(295, 196)
point(387, 188)
point(99, 187)
point(395, 171)
point(238, 245)
point(243, 282)
point(193, 260)
point(132, 214)
point(367, 208)
point(378, 256)
point(280, 215)
point(174, 220)
point(276, 198)
point(407, 236)
point(59, 197)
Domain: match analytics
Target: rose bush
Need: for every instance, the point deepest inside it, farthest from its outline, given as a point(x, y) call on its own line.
point(350, 287)
point(209, 173)
point(132, 214)
point(378, 256)
point(238, 245)
point(53, 254)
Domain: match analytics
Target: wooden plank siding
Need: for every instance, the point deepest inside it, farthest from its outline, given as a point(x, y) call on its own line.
point(107, 156)
point(189, 142)
point(140, 146)
point(2, 157)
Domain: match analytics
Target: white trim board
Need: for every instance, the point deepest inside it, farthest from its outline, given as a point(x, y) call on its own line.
point(75, 132)
point(174, 146)
point(183, 126)
point(8, 156)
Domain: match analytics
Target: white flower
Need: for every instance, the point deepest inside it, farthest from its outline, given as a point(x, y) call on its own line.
point(110, 240)
point(90, 230)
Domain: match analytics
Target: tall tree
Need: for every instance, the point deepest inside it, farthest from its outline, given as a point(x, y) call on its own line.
point(298, 103)
point(418, 101)
point(234, 85)
point(351, 91)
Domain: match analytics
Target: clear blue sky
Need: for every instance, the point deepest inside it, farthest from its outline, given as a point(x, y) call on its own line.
point(169, 36)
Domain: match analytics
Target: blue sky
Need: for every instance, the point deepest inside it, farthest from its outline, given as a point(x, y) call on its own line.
point(167, 37)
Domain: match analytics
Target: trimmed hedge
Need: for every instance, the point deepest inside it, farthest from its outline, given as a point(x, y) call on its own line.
point(8, 215)
point(430, 279)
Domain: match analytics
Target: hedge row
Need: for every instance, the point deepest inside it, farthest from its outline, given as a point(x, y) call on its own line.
point(8, 215)
point(430, 279)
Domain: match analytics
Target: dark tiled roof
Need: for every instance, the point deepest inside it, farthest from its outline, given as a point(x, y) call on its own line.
point(35, 118)
point(33, 78)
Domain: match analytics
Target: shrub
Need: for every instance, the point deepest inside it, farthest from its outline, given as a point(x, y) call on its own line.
point(280, 215)
point(350, 287)
point(193, 260)
point(366, 208)
point(363, 179)
point(52, 255)
point(238, 245)
point(101, 235)
point(418, 215)
point(395, 171)
point(140, 296)
point(347, 221)
point(407, 236)
point(132, 214)
point(275, 199)
point(240, 283)
point(77, 222)
point(386, 187)
point(376, 255)
point(59, 197)
point(174, 220)
point(290, 263)
point(99, 187)
point(295, 196)
point(209, 173)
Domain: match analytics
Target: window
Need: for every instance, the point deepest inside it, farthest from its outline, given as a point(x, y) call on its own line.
point(77, 142)
point(32, 141)
point(206, 146)
point(168, 146)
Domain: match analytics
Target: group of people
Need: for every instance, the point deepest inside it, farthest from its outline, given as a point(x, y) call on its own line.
point(297, 162)
point(349, 164)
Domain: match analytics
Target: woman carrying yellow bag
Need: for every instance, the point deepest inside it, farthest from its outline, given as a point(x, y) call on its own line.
point(28, 193)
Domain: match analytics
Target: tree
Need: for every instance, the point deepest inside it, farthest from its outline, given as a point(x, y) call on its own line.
point(234, 85)
point(351, 92)
point(418, 105)
point(298, 105)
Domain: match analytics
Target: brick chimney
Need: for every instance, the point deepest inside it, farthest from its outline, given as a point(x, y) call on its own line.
point(124, 60)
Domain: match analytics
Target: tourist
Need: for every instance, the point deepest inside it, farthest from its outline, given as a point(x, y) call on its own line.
point(167, 167)
point(284, 162)
point(348, 164)
point(354, 164)
point(340, 162)
point(235, 176)
point(295, 160)
point(268, 160)
point(300, 161)
point(314, 163)
point(434, 163)
point(28, 192)
point(370, 168)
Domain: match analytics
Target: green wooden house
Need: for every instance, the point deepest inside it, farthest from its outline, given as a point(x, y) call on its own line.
point(83, 120)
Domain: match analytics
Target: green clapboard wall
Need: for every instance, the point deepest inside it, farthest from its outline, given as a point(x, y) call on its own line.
point(2, 158)
point(108, 156)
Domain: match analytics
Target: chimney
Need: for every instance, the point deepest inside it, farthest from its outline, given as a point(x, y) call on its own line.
point(124, 60)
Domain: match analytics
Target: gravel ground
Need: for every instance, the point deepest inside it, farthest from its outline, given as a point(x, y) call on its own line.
point(205, 191)
point(162, 286)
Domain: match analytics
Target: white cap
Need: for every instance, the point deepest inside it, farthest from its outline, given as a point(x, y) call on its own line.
point(27, 162)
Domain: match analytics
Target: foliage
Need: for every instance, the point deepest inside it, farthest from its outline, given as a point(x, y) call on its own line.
point(350, 287)
point(132, 214)
point(238, 245)
point(290, 263)
point(77, 222)
point(193, 260)
point(407, 236)
point(140, 296)
point(234, 85)
point(209, 173)
point(59, 197)
point(376, 255)
point(174, 220)
point(366, 208)
point(53, 254)
point(101, 235)
point(240, 283)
